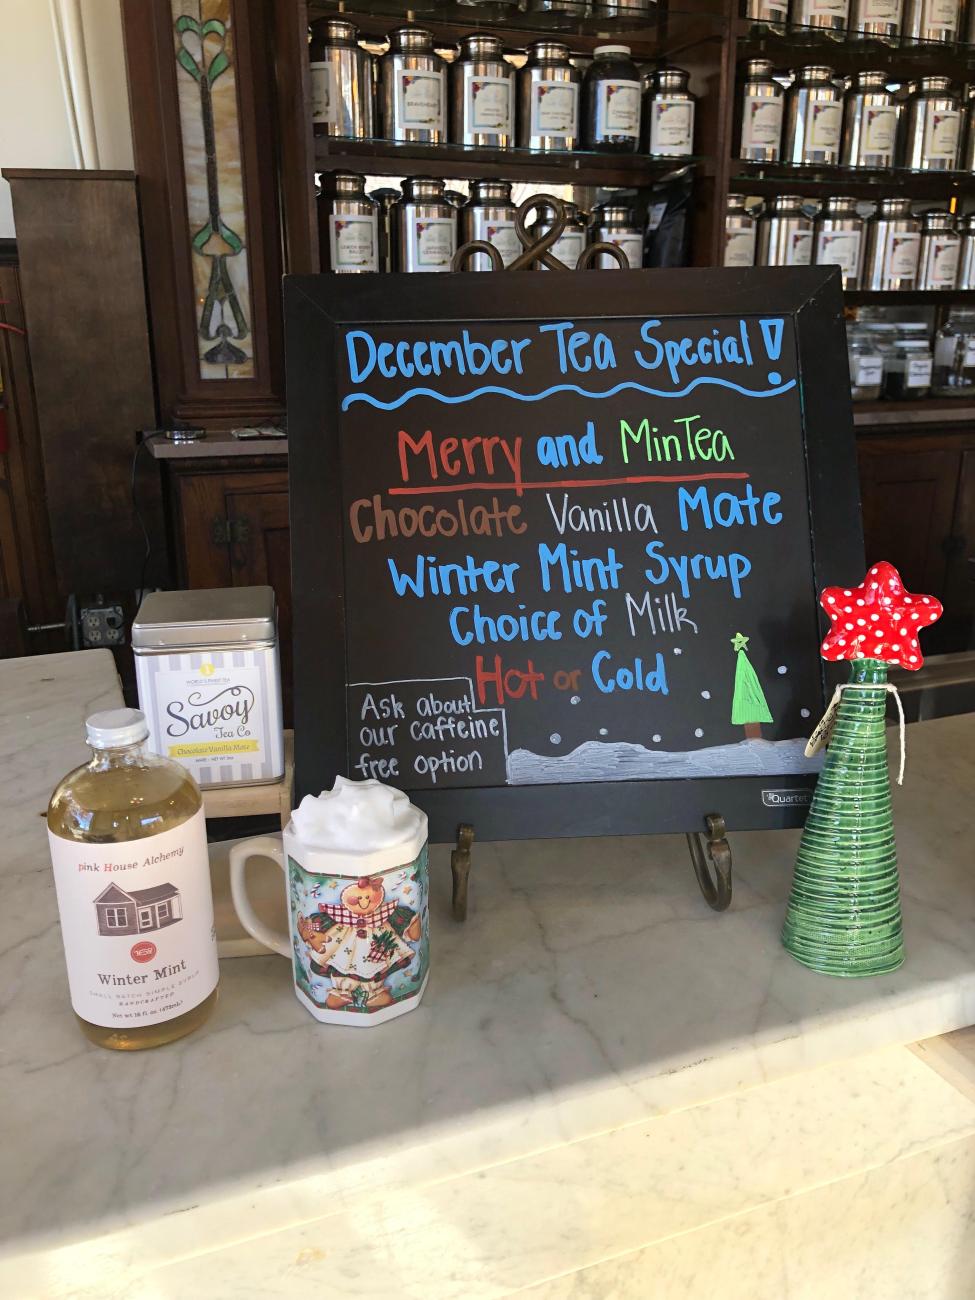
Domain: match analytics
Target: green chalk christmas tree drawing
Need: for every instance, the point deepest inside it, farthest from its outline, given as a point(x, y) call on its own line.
point(844, 913)
point(749, 707)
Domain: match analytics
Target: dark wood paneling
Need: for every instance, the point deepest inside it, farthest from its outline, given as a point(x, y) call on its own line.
point(84, 299)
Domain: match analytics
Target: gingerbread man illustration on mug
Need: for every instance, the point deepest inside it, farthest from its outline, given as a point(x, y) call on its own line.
point(358, 943)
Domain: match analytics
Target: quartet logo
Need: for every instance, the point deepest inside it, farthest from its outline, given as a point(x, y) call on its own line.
point(786, 798)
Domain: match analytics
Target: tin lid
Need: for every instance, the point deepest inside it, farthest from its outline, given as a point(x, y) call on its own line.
point(479, 46)
point(874, 78)
point(548, 52)
point(840, 205)
point(785, 203)
point(423, 187)
point(335, 31)
point(607, 51)
point(218, 616)
point(938, 222)
point(758, 68)
point(350, 184)
point(672, 79)
point(934, 86)
point(893, 208)
point(411, 38)
point(490, 191)
point(817, 73)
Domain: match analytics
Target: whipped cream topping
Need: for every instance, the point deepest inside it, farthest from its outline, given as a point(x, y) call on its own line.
point(356, 817)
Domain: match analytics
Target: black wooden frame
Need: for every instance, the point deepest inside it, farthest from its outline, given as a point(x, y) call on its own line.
point(316, 307)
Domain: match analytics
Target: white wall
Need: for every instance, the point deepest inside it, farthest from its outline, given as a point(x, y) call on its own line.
point(34, 129)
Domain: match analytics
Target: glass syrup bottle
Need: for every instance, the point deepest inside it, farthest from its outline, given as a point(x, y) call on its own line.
point(128, 847)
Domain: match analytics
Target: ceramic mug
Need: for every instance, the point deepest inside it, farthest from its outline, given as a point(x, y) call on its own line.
point(358, 933)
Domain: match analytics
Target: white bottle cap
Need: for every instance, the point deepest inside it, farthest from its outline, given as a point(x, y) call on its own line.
point(115, 728)
point(612, 49)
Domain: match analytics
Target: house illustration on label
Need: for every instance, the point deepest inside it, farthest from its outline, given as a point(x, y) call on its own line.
point(138, 911)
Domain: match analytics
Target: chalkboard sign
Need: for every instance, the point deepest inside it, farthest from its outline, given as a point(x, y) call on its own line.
point(557, 541)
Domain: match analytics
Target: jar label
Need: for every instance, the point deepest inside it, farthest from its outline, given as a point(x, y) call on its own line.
point(824, 122)
point(941, 133)
point(879, 129)
point(434, 243)
point(325, 100)
point(420, 99)
point(771, 11)
point(630, 245)
point(354, 243)
point(830, 8)
point(739, 247)
point(800, 248)
point(617, 108)
point(881, 11)
point(942, 264)
point(671, 126)
point(489, 104)
point(969, 352)
point(900, 260)
point(761, 124)
point(941, 15)
point(840, 248)
point(504, 237)
point(868, 370)
point(944, 350)
point(917, 372)
point(568, 248)
point(137, 925)
point(555, 108)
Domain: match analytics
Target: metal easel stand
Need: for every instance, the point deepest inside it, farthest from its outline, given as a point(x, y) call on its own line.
point(716, 851)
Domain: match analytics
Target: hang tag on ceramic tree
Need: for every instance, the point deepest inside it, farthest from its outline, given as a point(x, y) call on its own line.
point(823, 732)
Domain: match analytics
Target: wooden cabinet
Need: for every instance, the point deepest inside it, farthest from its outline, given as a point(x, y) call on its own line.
point(230, 526)
point(918, 497)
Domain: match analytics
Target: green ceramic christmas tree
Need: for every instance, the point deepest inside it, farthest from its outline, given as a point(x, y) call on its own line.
point(844, 914)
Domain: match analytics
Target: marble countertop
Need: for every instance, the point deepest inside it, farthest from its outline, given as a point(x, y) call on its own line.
point(591, 988)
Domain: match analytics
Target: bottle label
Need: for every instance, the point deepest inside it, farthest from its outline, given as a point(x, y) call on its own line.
point(489, 104)
point(354, 243)
point(868, 370)
point(324, 94)
point(900, 260)
point(840, 248)
point(881, 11)
point(739, 247)
point(671, 126)
point(761, 124)
point(504, 237)
point(617, 109)
point(941, 133)
point(555, 108)
point(631, 246)
point(917, 372)
point(943, 264)
point(434, 243)
point(825, 122)
point(420, 99)
point(568, 248)
point(941, 15)
point(800, 248)
point(879, 128)
point(137, 925)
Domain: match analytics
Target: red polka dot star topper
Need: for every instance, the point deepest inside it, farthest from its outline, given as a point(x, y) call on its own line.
point(880, 619)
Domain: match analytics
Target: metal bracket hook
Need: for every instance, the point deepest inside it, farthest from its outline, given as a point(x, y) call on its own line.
point(716, 850)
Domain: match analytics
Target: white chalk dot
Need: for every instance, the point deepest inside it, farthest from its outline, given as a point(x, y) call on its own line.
point(698, 732)
point(803, 713)
point(555, 738)
point(677, 650)
point(705, 695)
point(574, 700)
point(656, 740)
point(782, 670)
point(603, 731)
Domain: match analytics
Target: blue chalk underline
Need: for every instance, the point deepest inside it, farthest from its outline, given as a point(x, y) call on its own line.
point(559, 388)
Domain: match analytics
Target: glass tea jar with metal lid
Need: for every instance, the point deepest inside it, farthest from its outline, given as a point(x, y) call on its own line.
point(571, 244)
point(489, 214)
point(876, 18)
point(342, 81)
point(892, 246)
point(869, 122)
point(839, 239)
point(762, 104)
point(866, 365)
point(548, 98)
point(931, 20)
point(932, 121)
point(813, 117)
point(954, 355)
point(348, 225)
point(413, 88)
point(482, 94)
point(785, 233)
point(613, 223)
point(966, 259)
point(668, 114)
point(739, 233)
point(611, 101)
point(829, 14)
point(908, 364)
point(940, 252)
point(425, 226)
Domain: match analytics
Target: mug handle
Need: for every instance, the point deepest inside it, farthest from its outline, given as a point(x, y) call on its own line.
point(266, 847)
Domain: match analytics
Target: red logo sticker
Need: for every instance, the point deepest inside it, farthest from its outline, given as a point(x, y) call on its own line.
point(144, 950)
